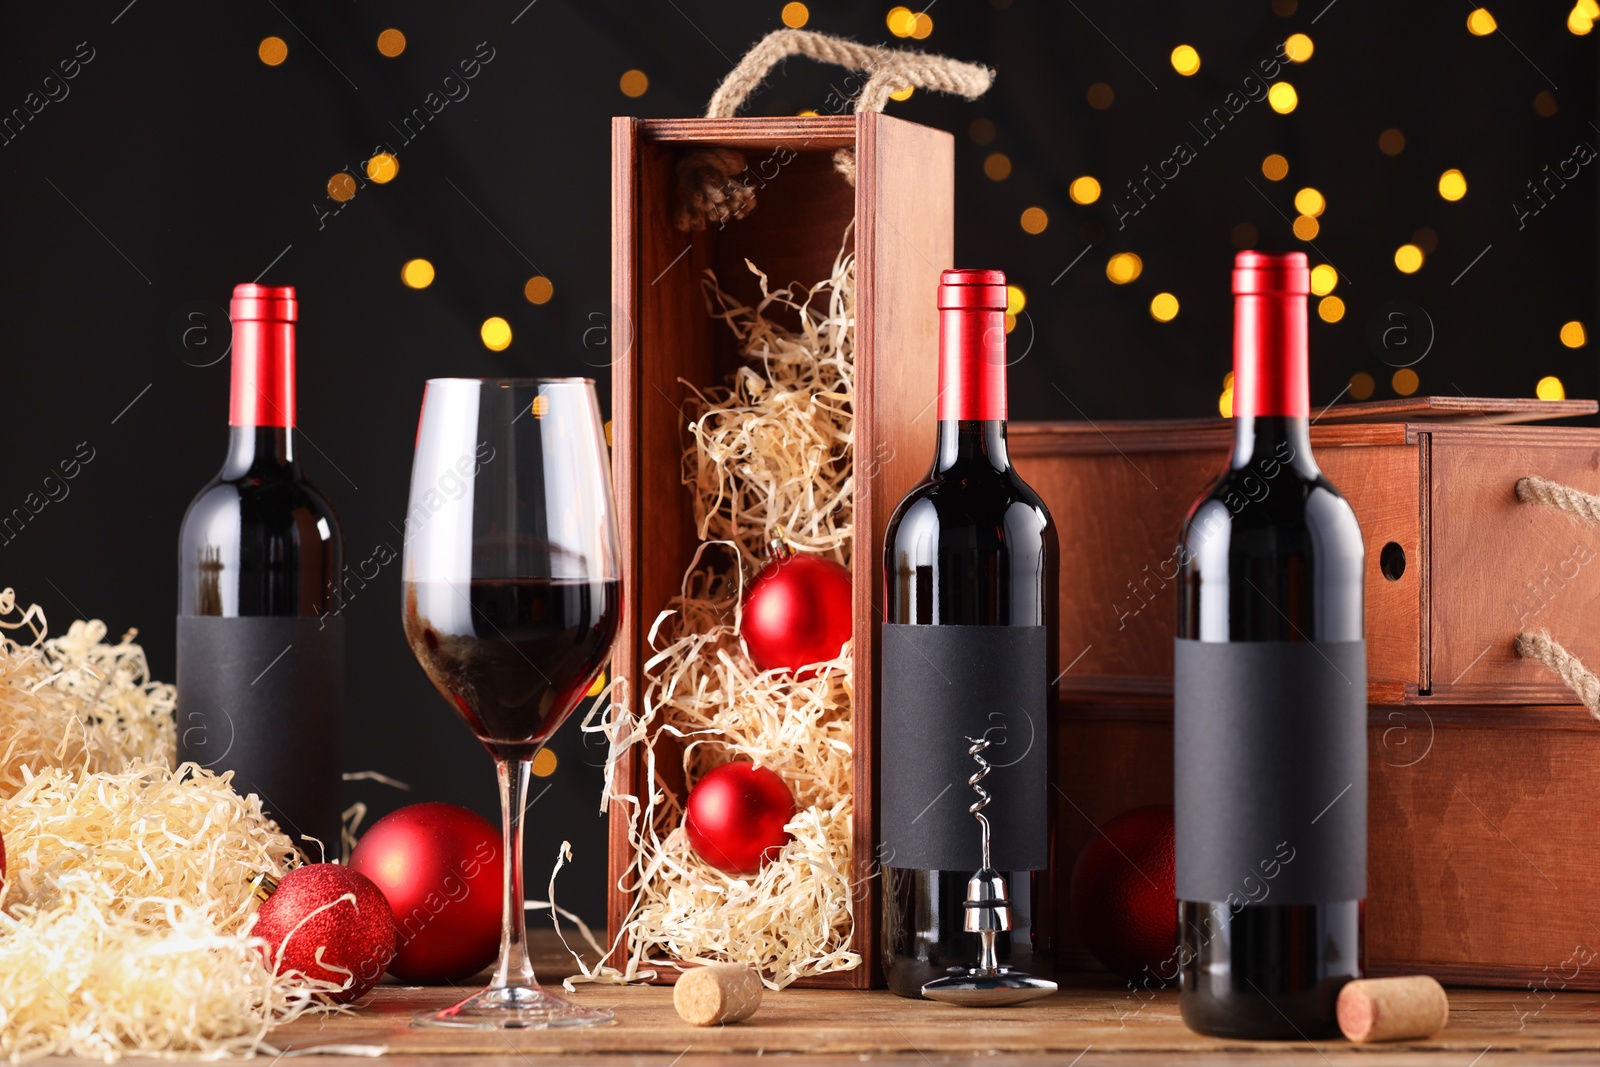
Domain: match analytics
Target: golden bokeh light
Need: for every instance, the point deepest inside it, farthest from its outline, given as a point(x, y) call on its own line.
point(1480, 23)
point(1405, 381)
point(1163, 307)
point(1100, 96)
point(1362, 385)
point(599, 685)
point(1124, 267)
point(1306, 227)
point(795, 15)
point(1391, 142)
point(1282, 97)
point(538, 290)
point(1330, 309)
point(1011, 322)
point(1084, 190)
point(496, 333)
point(1309, 201)
point(1579, 21)
point(1185, 60)
point(921, 25)
point(1016, 299)
point(1550, 388)
point(634, 83)
point(382, 168)
point(273, 50)
point(1452, 184)
point(1034, 220)
point(902, 94)
point(1298, 48)
point(391, 42)
point(900, 20)
point(997, 166)
point(417, 273)
point(1227, 380)
point(544, 764)
point(1275, 168)
point(1573, 335)
point(540, 405)
point(1408, 259)
point(1225, 403)
point(1323, 279)
point(341, 187)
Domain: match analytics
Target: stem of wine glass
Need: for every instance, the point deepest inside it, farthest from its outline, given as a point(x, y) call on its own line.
point(514, 970)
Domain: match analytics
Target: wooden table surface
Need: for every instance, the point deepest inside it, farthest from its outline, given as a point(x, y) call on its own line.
point(1090, 1022)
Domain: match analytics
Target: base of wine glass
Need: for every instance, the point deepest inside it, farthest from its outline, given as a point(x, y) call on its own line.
point(514, 1008)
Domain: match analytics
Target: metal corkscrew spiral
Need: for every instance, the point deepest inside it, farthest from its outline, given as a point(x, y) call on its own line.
point(975, 809)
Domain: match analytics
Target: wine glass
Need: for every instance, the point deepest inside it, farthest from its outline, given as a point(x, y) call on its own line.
point(512, 599)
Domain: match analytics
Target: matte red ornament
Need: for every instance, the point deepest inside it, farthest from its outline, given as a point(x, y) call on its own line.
point(798, 611)
point(439, 867)
point(1124, 897)
point(736, 815)
point(328, 909)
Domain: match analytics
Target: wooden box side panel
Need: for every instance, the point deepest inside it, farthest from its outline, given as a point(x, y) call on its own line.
point(1480, 842)
point(905, 211)
point(1501, 567)
point(1121, 505)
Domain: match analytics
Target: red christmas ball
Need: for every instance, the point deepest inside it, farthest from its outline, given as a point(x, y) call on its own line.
point(326, 908)
point(439, 866)
point(1124, 897)
point(736, 815)
point(798, 611)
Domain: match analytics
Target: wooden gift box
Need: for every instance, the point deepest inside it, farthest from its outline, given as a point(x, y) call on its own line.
point(1482, 809)
point(903, 208)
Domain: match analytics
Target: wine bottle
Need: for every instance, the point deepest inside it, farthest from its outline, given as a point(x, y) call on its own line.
point(969, 651)
point(260, 639)
point(1270, 707)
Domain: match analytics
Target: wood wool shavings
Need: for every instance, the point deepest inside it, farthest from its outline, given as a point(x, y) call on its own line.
point(770, 455)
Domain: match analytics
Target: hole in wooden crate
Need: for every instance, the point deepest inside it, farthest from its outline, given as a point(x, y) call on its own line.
point(1392, 561)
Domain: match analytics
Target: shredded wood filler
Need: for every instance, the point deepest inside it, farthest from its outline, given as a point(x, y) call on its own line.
point(770, 455)
point(126, 912)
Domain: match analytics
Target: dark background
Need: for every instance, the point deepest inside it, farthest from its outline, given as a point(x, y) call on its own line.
point(180, 164)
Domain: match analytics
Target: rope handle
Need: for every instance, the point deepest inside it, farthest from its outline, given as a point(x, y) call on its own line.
point(889, 70)
point(710, 181)
point(1541, 647)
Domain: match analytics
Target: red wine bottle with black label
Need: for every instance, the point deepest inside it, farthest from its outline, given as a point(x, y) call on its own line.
point(1270, 694)
point(969, 650)
point(260, 639)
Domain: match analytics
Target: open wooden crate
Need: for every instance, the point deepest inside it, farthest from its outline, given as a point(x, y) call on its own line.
point(902, 205)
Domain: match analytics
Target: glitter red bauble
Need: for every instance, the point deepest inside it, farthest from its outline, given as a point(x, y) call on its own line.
point(1123, 894)
point(736, 815)
point(439, 866)
point(798, 611)
point(353, 930)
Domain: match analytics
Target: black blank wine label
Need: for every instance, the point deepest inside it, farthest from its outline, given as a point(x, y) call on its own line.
point(1271, 771)
point(941, 685)
point(263, 697)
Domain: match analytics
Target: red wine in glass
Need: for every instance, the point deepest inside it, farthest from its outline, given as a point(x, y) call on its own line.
point(511, 601)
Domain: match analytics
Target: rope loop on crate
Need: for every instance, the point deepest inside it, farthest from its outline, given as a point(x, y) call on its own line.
point(710, 184)
point(1540, 646)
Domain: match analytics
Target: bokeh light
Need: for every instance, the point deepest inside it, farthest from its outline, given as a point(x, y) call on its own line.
point(1452, 184)
point(1282, 97)
point(496, 333)
point(982, 131)
point(1016, 300)
point(1163, 307)
point(1330, 309)
point(1323, 279)
point(634, 83)
point(1225, 403)
point(1545, 103)
point(1309, 201)
point(1275, 168)
point(900, 20)
point(1391, 142)
point(1405, 381)
point(417, 273)
point(1084, 190)
point(1306, 227)
point(1480, 23)
point(273, 50)
point(1550, 388)
point(538, 290)
point(1408, 259)
point(341, 187)
point(1362, 385)
point(383, 168)
point(997, 166)
point(391, 42)
point(544, 764)
point(1298, 48)
point(1100, 96)
point(1034, 220)
point(1124, 267)
point(1185, 60)
point(795, 15)
point(1573, 335)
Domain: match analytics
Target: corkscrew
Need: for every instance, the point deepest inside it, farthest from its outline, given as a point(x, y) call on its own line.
point(988, 908)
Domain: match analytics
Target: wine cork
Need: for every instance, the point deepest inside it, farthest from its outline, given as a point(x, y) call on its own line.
point(717, 993)
point(1392, 1009)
